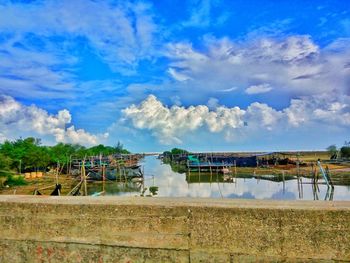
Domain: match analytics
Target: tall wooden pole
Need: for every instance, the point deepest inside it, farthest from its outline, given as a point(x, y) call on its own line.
point(84, 177)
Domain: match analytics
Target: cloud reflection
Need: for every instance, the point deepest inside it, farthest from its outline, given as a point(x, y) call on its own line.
point(173, 184)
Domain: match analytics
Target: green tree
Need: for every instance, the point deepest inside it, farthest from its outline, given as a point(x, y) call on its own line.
point(19, 152)
point(5, 163)
point(38, 158)
point(101, 149)
point(345, 151)
point(34, 156)
point(26, 154)
point(80, 151)
point(178, 151)
point(119, 148)
point(61, 153)
point(332, 151)
point(29, 155)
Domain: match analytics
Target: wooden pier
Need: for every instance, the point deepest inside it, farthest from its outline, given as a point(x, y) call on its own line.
point(207, 166)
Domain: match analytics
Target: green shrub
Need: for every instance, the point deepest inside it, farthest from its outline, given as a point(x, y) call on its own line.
point(345, 152)
point(154, 190)
point(13, 180)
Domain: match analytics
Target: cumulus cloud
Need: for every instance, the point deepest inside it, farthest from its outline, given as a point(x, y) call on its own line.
point(260, 114)
point(321, 109)
point(258, 89)
point(166, 124)
point(16, 118)
point(171, 124)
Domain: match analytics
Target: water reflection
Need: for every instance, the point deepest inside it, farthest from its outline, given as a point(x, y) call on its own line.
point(176, 184)
point(114, 188)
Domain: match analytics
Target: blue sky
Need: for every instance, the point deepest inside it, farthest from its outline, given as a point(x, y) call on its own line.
point(203, 75)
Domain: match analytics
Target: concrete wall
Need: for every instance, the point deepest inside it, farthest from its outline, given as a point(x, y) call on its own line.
point(135, 229)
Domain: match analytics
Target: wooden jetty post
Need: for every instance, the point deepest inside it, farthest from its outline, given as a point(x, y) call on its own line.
point(298, 166)
point(124, 173)
point(298, 187)
point(57, 169)
point(83, 174)
point(188, 174)
point(188, 166)
point(120, 173)
point(199, 171)
point(103, 177)
point(329, 177)
point(314, 191)
point(211, 172)
point(235, 165)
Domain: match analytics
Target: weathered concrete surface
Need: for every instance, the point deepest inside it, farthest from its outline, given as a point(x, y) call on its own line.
point(135, 229)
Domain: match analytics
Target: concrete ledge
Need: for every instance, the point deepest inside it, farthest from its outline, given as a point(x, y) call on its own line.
point(132, 229)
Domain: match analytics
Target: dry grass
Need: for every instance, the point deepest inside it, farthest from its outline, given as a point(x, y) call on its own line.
point(47, 180)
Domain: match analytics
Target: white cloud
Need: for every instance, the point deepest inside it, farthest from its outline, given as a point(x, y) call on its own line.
point(176, 100)
point(16, 119)
point(184, 52)
point(171, 125)
point(213, 103)
point(27, 72)
point(202, 15)
point(258, 89)
point(259, 114)
point(293, 66)
point(177, 76)
point(320, 109)
point(44, 43)
point(292, 49)
point(228, 89)
point(121, 33)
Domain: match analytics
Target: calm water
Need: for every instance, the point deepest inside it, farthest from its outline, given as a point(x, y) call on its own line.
point(173, 184)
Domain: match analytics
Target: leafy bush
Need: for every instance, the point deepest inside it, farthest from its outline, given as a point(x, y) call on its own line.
point(154, 190)
point(332, 151)
point(178, 151)
point(13, 180)
point(175, 151)
point(345, 152)
point(5, 163)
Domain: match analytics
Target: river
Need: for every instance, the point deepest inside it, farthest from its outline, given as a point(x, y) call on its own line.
point(174, 184)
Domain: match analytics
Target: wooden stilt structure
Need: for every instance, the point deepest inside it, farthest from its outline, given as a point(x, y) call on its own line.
point(83, 175)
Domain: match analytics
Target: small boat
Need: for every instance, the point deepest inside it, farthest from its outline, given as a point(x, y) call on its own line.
point(97, 176)
point(56, 191)
point(133, 166)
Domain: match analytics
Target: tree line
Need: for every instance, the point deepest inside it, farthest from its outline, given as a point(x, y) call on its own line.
point(175, 151)
point(27, 155)
point(342, 152)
